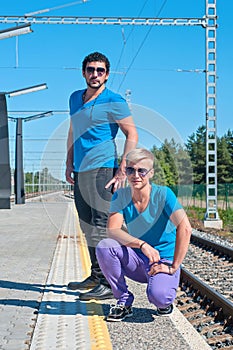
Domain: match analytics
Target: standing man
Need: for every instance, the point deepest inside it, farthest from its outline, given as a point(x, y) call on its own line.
point(96, 115)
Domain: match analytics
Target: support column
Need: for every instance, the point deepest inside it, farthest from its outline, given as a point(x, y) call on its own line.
point(5, 175)
point(19, 177)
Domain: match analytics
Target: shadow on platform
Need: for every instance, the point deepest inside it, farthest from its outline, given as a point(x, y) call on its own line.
point(68, 308)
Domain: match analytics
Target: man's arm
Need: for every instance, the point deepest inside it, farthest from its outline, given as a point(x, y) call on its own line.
point(127, 126)
point(69, 158)
point(183, 234)
point(115, 231)
point(115, 222)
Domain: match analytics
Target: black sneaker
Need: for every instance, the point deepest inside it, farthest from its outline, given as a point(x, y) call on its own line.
point(88, 283)
point(100, 292)
point(166, 311)
point(119, 312)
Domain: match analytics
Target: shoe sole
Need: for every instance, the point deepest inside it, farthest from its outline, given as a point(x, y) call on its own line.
point(165, 314)
point(118, 320)
point(80, 289)
point(96, 298)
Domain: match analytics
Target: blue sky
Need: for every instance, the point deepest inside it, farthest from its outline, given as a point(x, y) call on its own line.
point(145, 60)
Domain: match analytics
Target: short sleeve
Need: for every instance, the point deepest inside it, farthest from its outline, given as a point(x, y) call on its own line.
point(116, 205)
point(119, 108)
point(75, 101)
point(171, 204)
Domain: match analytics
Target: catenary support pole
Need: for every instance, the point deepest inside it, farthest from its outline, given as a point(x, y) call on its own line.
point(19, 175)
point(5, 175)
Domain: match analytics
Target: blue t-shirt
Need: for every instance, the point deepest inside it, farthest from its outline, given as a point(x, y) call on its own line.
point(95, 128)
point(153, 224)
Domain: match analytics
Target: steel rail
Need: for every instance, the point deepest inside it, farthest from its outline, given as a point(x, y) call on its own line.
point(217, 247)
point(219, 300)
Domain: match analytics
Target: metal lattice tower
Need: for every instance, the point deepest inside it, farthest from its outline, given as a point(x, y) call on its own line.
point(209, 22)
point(211, 118)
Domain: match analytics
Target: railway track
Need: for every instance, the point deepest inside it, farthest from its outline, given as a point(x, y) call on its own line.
point(205, 296)
point(212, 262)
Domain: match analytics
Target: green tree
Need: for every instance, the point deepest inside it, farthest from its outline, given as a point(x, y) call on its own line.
point(185, 167)
point(172, 164)
point(229, 140)
point(196, 147)
point(224, 161)
point(169, 163)
point(28, 178)
point(159, 174)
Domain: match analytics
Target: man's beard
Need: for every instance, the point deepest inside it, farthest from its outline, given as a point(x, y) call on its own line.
point(96, 87)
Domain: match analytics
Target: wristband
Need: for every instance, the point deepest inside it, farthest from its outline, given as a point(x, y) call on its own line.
point(170, 270)
point(141, 245)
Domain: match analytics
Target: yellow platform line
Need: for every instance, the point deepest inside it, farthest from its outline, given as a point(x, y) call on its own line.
point(100, 338)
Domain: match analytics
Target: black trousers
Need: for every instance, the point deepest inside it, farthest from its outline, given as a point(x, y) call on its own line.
point(92, 202)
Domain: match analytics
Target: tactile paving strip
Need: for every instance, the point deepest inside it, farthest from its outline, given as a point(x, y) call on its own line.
point(63, 321)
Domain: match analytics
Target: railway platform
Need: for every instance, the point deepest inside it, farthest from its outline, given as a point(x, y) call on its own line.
point(42, 249)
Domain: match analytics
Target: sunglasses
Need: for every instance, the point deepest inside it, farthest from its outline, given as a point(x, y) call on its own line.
point(141, 171)
point(100, 70)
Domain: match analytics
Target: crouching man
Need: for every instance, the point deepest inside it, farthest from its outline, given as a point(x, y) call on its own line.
point(155, 244)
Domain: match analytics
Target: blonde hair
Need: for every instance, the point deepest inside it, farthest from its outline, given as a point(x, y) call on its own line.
point(139, 154)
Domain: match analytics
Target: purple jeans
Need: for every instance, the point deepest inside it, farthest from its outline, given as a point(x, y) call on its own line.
point(118, 262)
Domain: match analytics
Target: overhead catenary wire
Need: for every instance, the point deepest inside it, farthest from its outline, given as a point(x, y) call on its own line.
point(55, 8)
point(126, 39)
point(43, 11)
point(140, 47)
point(179, 70)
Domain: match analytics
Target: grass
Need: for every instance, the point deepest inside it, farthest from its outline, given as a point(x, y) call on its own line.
point(196, 216)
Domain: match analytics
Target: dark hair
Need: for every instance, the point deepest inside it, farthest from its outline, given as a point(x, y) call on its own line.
point(96, 56)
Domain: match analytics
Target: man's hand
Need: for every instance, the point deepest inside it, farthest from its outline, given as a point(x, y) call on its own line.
point(117, 181)
point(151, 253)
point(161, 267)
point(154, 261)
point(69, 177)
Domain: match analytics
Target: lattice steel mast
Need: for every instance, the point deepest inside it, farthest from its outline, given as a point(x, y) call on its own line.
point(211, 117)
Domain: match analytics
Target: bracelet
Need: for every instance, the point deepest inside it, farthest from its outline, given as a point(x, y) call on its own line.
point(141, 245)
point(170, 270)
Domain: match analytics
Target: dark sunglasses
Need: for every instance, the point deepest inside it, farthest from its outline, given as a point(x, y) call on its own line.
point(141, 171)
point(100, 70)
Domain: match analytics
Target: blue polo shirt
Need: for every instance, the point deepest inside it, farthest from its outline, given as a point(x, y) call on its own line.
point(153, 225)
point(94, 129)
